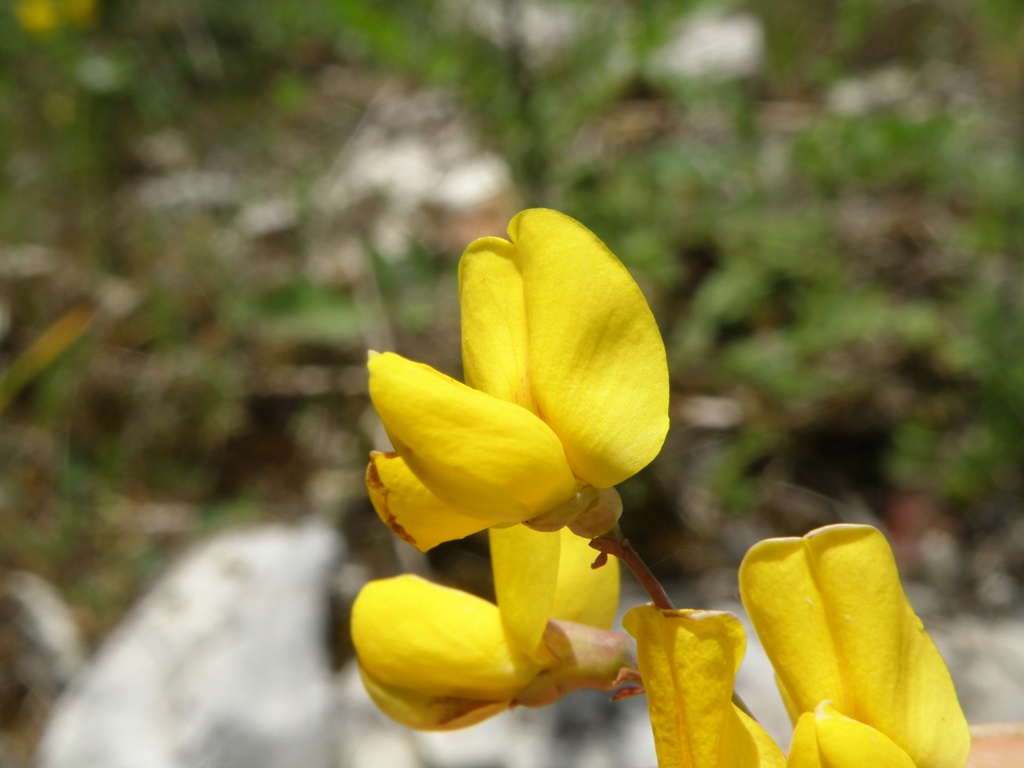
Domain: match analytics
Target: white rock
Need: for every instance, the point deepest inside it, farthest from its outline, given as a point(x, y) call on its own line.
point(417, 167)
point(712, 412)
point(366, 738)
point(484, 744)
point(475, 180)
point(50, 648)
point(412, 151)
point(884, 89)
point(986, 661)
point(545, 30)
point(271, 216)
point(715, 46)
point(188, 189)
point(223, 664)
point(27, 261)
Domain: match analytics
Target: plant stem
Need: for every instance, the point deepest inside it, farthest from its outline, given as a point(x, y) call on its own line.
point(614, 543)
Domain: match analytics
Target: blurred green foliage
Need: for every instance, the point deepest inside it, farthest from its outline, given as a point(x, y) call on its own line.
point(849, 275)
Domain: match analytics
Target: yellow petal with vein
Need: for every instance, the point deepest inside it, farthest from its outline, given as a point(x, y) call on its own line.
point(412, 634)
point(832, 616)
point(596, 361)
point(410, 510)
point(494, 343)
point(525, 565)
point(688, 661)
point(585, 595)
point(541, 576)
point(472, 450)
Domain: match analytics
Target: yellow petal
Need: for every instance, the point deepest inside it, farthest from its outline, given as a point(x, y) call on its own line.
point(541, 576)
point(410, 509)
point(585, 595)
point(826, 738)
point(833, 618)
point(494, 344)
point(736, 749)
point(803, 749)
point(472, 450)
point(411, 634)
point(596, 360)
point(525, 565)
point(427, 712)
point(688, 660)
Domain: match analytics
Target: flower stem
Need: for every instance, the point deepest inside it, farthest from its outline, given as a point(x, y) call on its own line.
point(614, 543)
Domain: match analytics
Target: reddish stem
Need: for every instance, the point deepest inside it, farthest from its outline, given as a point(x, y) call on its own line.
point(614, 543)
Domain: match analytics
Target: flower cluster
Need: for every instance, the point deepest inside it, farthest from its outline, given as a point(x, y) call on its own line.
point(862, 681)
point(566, 396)
point(436, 658)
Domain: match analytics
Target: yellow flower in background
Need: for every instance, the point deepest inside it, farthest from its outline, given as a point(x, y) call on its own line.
point(566, 394)
point(688, 661)
point(39, 17)
point(862, 681)
point(435, 658)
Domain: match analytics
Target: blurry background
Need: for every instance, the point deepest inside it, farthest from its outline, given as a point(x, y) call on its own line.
point(209, 211)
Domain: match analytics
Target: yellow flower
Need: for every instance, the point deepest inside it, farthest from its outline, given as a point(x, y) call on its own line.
point(37, 16)
point(567, 394)
point(435, 658)
point(41, 16)
point(861, 679)
point(688, 660)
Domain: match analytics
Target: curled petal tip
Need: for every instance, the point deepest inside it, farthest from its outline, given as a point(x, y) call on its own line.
point(379, 493)
point(426, 712)
point(408, 507)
